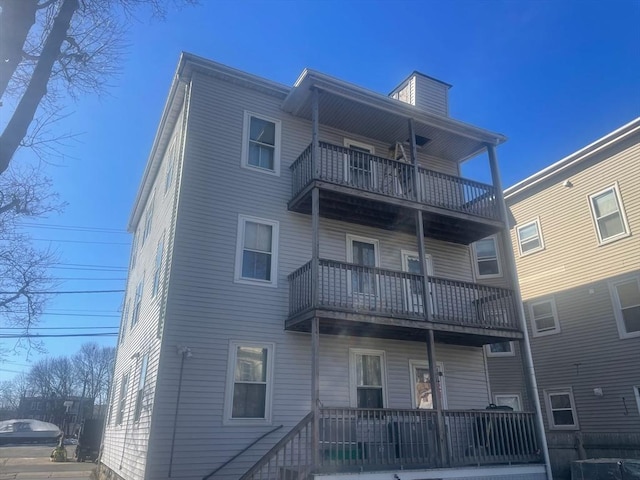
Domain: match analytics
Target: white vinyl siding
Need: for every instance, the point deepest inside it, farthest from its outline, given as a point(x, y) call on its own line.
point(148, 219)
point(261, 143)
point(530, 237)
point(249, 383)
point(501, 349)
point(122, 401)
point(544, 317)
point(137, 302)
point(485, 258)
point(157, 270)
point(368, 378)
point(561, 409)
point(257, 251)
point(608, 215)
point(140, 394)
point(625, 295)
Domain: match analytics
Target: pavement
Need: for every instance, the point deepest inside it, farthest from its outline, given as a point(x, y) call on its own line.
point(31, 462)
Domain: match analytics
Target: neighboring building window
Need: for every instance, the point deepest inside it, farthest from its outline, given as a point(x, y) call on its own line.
point(508, 400)
point(561, 409)
point(250, 382)
point(636, 392)
point(486, 261)
point(147, 220)
point(368, 382)
point(157, 268)
point(122, 402)
point(608, 215)
point(140, 394)
point(501, 349)
point(257, 251)
point(544, 318)
point(261, 143)
point(137, 302)
point(626, 305)
point(530, 237)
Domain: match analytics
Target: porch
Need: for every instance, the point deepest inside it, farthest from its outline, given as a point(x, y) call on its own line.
point(369, 301)
point(356, 440)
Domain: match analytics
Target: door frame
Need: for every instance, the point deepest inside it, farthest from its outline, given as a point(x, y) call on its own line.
point(348, 143)
point(413, 364)
point(406, 254)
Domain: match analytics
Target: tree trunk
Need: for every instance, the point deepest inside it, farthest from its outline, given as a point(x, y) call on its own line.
point(18, 126)
point(16, 19)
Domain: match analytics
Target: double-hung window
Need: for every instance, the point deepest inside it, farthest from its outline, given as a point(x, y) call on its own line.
point(363, 253)
point(368, 382)
point(139, 396)
point(170, 160)
point(625, 295)
point(257, 251)
point(122, 402)
point(530, 237)
point(123, 322)
point(544, 317)
point(157, 268)
point(486, 261)
point(137, 303)
point(148, 218)
point(261, 143)
point(561, 409)
point(249, 386)
point(608, 215)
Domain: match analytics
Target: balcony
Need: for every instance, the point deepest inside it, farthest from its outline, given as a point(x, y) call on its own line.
point(367, 301)
point(358, 187)
point(356, 440)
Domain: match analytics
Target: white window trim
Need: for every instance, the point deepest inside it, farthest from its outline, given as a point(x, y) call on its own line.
point(475, 259)
point(353, 377)
point(245, 143)
point(275, 228)
point(137, 302)
point(540, 237)
point(509, 395)
point(440, 371)
point(156, 281)
point(574, 411)
point(510, 353)
point(534, 328)
point(170, 159)
point(376, 252)
point(348, 143)
point(228, 402)
point(623, 215)
point(142, 380)
point(636, 392)
point(617, 309)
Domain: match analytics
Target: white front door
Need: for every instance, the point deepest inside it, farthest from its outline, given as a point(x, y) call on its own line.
point(413, 289)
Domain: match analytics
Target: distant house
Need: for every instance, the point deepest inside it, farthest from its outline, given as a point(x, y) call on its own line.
point(301, 300)
point(576, 237)
point(65, 412)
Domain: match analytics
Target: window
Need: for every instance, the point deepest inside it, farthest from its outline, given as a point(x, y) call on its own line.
point(157, 268)
point(485, 254)
point(140, 394)
point(123, 323)
point(530, 237)
point(358, 168)
point(501, 349)
point(421, 397)
point(261, 143)
point(112, 398)
point(137, 302)
point(544, 318)
point(147, 220)
point(367, 378)
point(636, 392)
point(608, 215)
point(363, 252)
point(561, 409)
point(122, 402)
point(170, 159)
point(508, 400)
point(625, 294)
point(257, 251)
point(249, 382)
point(134, 250)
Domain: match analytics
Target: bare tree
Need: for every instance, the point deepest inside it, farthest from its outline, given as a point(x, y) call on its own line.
point(93, 365)
point(53, 378)
point(49, 44)
point(11, 391)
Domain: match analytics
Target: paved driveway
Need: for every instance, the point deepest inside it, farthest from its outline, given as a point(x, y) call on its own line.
point(31, 462)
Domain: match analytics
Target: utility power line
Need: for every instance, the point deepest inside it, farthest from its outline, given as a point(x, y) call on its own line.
point(51, 226)
point(59, 292)
point(67, 335)
point(58, 328)
point(80, 241)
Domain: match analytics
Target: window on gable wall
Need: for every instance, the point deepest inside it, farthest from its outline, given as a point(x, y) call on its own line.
point(139, 396)
point(147, 220)
point(608, 215)
point(485, 253)
point(122, 402)
point(137, 302)
point(261, 143)
point(257, 251)
point(529, 237)
point(157, 268)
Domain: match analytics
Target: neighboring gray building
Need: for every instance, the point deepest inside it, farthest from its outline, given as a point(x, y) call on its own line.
point(278, 321)
point(575, 229)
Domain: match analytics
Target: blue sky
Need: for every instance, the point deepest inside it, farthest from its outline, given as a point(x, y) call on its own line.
point(552, 76)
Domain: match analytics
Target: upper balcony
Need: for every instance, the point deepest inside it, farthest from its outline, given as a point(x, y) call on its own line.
point(359, 187)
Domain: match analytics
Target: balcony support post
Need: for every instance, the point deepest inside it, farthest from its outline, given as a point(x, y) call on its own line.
point(315, 389)
point(414, 160)
point(527, 358)
point(315, 133)
point(435, 399)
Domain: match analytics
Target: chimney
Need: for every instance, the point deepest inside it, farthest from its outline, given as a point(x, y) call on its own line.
point(426, 93)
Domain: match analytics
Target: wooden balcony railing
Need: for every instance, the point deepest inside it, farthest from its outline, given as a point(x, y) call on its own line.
point(370, 173)
point(376, 291)
point(367, 439)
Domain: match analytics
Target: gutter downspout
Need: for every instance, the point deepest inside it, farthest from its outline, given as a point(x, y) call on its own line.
point(530, 376)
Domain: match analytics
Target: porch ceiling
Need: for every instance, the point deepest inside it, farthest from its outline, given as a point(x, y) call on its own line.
point(353, 109)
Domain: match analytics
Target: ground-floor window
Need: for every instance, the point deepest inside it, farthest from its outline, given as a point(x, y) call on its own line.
point(561, 409)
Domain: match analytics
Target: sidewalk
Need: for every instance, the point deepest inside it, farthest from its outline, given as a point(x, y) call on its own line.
point(15, 466)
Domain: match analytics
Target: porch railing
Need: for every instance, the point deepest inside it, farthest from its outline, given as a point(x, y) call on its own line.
point(376, 291)
point(370, 173)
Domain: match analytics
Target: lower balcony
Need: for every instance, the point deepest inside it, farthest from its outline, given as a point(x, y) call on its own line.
point(356, 440)
point(368, 301)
